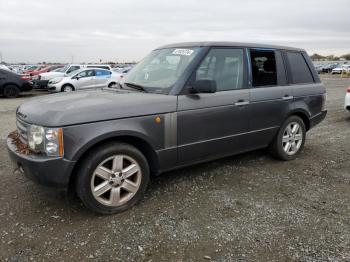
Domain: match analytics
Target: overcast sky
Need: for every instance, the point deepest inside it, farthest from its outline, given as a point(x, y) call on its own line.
point(56, 30)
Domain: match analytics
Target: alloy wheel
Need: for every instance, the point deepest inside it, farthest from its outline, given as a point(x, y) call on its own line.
point(116, 180)
point(292, 138)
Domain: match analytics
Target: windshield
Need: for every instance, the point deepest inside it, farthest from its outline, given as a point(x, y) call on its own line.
point(63, 69)
point(161, 68)
point(60, 69)
point(75, 72)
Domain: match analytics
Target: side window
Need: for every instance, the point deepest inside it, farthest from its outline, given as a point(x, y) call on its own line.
point(86, 73)
point(73, 68)
point(223, 65)
point(299, 70)
point(102, 73)
point(263, 63)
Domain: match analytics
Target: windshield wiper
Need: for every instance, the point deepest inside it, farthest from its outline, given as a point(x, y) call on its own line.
point(136, 86)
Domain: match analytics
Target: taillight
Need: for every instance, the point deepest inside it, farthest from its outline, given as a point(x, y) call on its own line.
point(348, 90)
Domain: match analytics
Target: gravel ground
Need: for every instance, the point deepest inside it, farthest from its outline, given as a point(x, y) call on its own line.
point(248, 207)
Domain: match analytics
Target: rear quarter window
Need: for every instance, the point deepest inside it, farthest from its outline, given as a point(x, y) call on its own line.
point(299, 71)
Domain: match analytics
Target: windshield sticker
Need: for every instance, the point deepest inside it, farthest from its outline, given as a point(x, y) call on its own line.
point(187, 52)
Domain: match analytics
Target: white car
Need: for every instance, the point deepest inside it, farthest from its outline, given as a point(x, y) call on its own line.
point(339, 70)
point(121, 72)
point(2, 66)
point(83, 79)
point(347, 99)
point(43, 79)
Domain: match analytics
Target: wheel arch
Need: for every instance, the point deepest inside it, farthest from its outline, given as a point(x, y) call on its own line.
point(141, 144)
point(67, 84)
point(112, 83)
point(304, 115)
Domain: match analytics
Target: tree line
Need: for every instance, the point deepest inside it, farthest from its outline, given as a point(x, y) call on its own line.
point(330, 57)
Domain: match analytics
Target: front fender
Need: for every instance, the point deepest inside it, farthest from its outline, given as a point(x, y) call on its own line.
point(78, 139)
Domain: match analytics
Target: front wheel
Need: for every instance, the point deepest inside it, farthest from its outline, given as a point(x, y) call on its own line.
point(67, 88)
point(112, 178)
point(290, 139)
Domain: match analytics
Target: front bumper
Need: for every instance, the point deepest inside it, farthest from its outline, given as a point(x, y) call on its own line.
point(44, 170)
point(40, 84)
point(315, 120)
point(52, 88)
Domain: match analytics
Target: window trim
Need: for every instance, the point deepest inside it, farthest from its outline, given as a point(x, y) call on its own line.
point(85, 71)
point(245, 84)
point(251, 67)
point(289, 70)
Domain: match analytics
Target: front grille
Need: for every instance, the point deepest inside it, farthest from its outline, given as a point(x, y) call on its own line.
point(22, 128)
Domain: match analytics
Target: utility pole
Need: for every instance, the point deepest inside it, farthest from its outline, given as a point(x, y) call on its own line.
point(72, 59)
point(0, 57)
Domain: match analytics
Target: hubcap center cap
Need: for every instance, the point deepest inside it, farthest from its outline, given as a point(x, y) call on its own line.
point(116, 179)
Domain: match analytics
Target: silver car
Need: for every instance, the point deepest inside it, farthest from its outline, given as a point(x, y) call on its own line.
point(83, 79)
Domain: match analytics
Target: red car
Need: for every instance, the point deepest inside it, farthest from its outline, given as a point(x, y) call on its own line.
point(31, 69)
point(44, 70)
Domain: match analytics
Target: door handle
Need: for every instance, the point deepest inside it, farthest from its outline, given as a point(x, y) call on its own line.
point(241, 103)
point(287, 97)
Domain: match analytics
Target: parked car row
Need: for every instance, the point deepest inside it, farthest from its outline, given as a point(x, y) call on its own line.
point(334, 68)
point(64, 78)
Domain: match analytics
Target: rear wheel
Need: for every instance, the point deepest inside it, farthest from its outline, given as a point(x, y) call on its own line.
point(11, 91)
point(290, 139)
point(112, 178)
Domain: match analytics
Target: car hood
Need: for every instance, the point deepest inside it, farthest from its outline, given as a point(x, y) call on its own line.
point(50, 75)
point(66, 109)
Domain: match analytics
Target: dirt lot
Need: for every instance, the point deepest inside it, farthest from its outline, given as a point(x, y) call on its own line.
point(248, 207)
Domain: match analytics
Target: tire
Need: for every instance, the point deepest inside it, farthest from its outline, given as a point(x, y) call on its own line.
point(280, 147)
point(108, 192)
point(11, 91)
point(111, 85)
point(67, 88)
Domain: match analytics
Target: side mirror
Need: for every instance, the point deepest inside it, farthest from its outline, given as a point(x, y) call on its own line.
point(203, 86)
point(76, 77)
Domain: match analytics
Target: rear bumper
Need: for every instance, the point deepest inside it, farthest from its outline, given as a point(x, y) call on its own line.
point(27, 86)
point(54, 172)
point(315, 120)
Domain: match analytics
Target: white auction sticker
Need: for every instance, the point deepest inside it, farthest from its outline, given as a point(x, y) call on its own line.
point(183, 52)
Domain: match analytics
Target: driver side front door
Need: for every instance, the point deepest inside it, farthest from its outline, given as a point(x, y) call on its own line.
point(215, 124)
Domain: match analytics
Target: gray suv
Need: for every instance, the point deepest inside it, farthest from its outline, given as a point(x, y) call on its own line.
point(183, 104)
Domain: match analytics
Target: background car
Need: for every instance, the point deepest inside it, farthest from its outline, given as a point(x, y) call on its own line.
point(12, 84)
point(347, 99)
point(42, 80)
point(44, 70)
point(83, 79)
point(2, 66)
point(339, 70)
point(119, 73)
point(328, 68)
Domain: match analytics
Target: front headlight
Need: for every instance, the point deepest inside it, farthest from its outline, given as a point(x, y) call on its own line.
point(46, 140)
point(55, 80)
point(36, 138)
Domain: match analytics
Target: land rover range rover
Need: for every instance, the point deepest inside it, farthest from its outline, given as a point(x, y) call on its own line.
point(183, 104)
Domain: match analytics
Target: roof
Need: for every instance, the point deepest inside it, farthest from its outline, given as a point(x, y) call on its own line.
point(230, 44)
